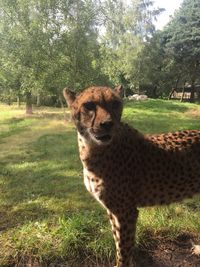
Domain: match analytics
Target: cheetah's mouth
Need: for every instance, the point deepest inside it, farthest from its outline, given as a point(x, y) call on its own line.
point(103, 138)
point(100, 137)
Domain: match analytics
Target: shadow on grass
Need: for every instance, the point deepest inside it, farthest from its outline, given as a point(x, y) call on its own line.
point(52, 115)
point(15, 126)
point(45, 181)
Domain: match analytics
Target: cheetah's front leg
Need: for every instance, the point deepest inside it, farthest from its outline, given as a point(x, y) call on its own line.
point(123, 227)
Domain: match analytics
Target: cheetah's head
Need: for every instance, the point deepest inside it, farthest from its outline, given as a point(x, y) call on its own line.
point(96, 112)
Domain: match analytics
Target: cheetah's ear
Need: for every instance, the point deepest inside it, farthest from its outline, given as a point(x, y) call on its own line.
point(119, 90)
point(69, 96)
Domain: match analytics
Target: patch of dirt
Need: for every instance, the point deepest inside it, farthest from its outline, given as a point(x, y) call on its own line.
point(172, 253)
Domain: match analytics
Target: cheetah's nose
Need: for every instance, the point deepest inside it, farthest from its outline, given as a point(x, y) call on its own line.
point(106, 125)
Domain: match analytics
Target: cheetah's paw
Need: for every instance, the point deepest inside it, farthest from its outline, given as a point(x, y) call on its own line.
point(196, 250)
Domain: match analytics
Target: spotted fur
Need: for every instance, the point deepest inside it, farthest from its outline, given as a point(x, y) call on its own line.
point(124, 169)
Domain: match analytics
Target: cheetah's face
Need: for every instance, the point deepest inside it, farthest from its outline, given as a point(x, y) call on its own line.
point(96, 112)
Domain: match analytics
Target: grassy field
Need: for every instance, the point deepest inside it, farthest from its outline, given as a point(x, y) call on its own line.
point(46, 216)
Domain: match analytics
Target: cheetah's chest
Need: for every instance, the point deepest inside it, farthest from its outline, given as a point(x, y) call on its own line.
point(94, 185)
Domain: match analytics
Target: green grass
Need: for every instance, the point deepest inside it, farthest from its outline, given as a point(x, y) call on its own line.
point(46, 214)
point(158, 116)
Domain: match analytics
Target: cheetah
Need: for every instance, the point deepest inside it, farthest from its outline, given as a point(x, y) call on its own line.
point(124, 169)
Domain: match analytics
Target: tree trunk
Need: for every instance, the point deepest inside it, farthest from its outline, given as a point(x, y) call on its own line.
point(173, 89)
point(154, 92)
point(60, 100)
point(183, 93)
point(192, 92)
point(29, 107)
point(63, 108)
point(171, 93)
point(18, 101)
point(124, 92)
point(38, 102)
point(198, 94)
point(9, 101)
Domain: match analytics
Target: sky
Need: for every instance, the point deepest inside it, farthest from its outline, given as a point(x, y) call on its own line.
point(170, 6)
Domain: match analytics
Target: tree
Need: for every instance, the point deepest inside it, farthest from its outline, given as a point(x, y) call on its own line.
point(150, 66)
point(182, 42)
point(49, 44)
point(24, 42)
point(170, 58)
point(127, 26)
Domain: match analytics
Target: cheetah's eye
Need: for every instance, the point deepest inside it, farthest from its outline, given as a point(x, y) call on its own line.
point(89, 105)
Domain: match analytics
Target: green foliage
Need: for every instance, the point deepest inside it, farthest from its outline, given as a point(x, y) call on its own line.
point(182, 44)
point(171, 57)
point(47, 45)
point(182, 38)
point(150, 72)
point(126, 28)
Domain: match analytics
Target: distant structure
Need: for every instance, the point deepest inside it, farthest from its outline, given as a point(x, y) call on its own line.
point(137, 97)
point(186, 93)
